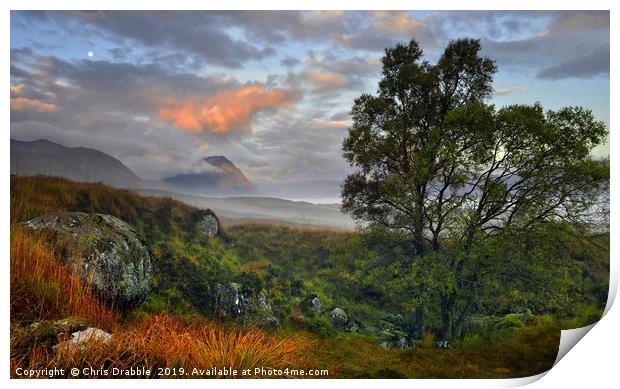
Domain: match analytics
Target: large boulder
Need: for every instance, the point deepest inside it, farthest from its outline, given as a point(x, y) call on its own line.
point(338, 317)
point(104, 250)
point(248, 307)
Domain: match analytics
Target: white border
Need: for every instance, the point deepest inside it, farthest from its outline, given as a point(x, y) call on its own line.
point(593, 363)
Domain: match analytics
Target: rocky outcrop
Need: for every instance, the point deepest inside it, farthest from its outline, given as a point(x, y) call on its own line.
point(81, 339)
point(207, 225)
point(393, 334)
point(104, 250)
point(248, 307)
point(318, 307)
point(46, 332)
point(68, 324)
point(401, 342)
point(338, 317)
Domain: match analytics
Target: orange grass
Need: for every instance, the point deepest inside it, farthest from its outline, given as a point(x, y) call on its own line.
point(43, 289)
point(159, 342)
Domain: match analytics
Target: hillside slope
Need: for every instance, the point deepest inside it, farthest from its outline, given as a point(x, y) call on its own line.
point(358, 272)
point(42, 157)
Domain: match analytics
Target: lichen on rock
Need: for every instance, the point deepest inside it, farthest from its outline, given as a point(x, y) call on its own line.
point(107, 252)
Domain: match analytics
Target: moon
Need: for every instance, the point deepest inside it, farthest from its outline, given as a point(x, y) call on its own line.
point(91, 54)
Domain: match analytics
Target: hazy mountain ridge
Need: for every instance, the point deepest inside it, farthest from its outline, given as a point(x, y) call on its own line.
point(81, 164)
point(226, 178)
point(43, 157)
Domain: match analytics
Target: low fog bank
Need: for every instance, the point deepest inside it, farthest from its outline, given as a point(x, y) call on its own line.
point(265, 209)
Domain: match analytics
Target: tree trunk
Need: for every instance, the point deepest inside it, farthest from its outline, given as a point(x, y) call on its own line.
point(446, 317)
point(419, 325)
point(418, 229)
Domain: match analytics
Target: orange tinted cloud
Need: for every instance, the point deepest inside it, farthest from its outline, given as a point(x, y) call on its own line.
point(396, 21)
point(23, 103)
point(226, 111)
point(17, 89)
point(326, 79)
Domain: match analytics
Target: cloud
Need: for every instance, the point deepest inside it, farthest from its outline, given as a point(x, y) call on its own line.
point(17, 89)
point(234, 38)
point(396, 21)
point(325, 80)
point(110, 106)
point(354, 66)
point(157, 72)
point(324, 75)
point(549, 44)
point(508, 90)
point(22, 103)
point(376, 30)
point(289, 62)
point(292, 147)
point(201, 35)
point(536, 40)
point(332, 123)
point(228, 111)
point(591, 64)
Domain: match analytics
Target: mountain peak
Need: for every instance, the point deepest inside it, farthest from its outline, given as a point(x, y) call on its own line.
point(227, 179)
point(218, 160)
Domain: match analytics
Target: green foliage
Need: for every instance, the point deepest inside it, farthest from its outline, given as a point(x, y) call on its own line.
point(435, 163)
point(321, 326)
point(473, 341)
point(556, 271)
point(512, 320)
point(555, 268)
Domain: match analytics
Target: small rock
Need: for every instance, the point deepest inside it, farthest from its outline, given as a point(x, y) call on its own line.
point(370, 330)
point(443, 344)
point(228, 299)
point(354, 328)
point(248, 307)
point(401, 343)
point(82, 338)
point(385, 345)
point(318, 307)
point(338, 317)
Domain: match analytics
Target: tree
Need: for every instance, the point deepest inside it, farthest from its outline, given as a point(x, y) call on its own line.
point(435, 161)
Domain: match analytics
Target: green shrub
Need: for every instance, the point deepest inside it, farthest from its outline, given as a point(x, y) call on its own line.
point(512, 320)
point(428, 341)
point(472, 340)
point(320, 325)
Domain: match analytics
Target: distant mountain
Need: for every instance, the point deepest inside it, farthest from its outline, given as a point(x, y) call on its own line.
point(43, 157)
point(219, 176)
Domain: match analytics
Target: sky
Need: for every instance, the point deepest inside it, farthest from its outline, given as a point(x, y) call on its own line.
point(270, 90)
